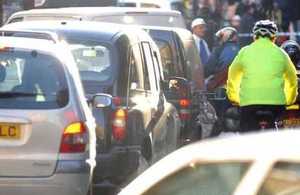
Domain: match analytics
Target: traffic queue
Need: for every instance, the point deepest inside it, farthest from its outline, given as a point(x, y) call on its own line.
point(94, 96)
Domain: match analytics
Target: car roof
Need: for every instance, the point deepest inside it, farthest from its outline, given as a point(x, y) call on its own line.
point(97, 11)
point(28, 43)
point(267, 147)
point(160, 3)
point(80, 27)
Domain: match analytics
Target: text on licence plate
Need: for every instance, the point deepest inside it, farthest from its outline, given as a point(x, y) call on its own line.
point(295, 122)
point(9, 131)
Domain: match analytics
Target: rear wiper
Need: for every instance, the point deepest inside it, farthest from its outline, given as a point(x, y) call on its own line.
point(18, 94)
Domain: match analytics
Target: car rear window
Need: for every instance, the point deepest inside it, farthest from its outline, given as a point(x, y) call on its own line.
point(93, 60)
point(31, 79)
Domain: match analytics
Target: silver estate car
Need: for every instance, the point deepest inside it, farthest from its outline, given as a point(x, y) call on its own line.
point(47, 132)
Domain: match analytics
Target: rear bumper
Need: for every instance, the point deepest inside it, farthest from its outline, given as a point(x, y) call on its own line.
point(58, 184)
point(116, 165)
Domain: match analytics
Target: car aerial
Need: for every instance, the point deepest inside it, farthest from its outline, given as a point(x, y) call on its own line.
point(121, 15)
point(123, 64)
point(47, 131)
point(182, 62)
point(267, 163)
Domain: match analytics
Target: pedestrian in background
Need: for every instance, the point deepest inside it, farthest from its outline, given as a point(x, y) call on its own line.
point(198, 27)
point(247, 21)
point(223, 55)
point(235, 22)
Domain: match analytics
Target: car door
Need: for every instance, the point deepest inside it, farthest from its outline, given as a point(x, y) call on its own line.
point(157, 102)
point(140, 110)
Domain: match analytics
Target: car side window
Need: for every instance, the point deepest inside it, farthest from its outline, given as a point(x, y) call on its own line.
point(135, 81)
point(157, 69)
point(181, 57)
point(285, 176)
point(148, 59)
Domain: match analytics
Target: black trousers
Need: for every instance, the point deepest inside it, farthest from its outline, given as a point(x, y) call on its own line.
point(249, 119)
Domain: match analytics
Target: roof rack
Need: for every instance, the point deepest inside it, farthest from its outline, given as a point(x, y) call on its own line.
point(30, 34)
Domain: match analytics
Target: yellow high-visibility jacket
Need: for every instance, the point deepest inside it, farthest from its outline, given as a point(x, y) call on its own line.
point(262, 74)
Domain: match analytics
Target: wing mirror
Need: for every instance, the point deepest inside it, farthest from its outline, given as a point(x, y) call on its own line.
point(177, 85)
point(102, 100)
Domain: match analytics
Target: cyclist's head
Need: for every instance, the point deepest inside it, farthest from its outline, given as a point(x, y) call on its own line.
point(292, 48)
point(227, 34)
point(265, 28)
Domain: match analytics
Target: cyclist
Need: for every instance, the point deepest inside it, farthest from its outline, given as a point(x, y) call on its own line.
point(292, 48)
point(262, 77)
point(216, 71)
point(221, 57)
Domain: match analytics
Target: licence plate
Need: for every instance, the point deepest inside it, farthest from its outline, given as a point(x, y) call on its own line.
point(9, 131)
point(294, 122)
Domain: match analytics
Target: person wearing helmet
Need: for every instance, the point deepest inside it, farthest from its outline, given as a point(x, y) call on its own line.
point(223, 55)
point(217, 68)
point(261, 77)
point(292, 48)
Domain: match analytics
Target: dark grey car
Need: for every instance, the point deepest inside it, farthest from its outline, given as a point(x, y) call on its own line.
point(124, 65)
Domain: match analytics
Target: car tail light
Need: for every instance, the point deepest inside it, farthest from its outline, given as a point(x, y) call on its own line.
point(291, 114)
point(75, 138)
point(119, 123)
point(184, 111)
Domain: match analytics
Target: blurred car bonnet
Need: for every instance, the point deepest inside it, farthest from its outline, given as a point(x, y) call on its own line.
point(264, 163)
point(121, 15)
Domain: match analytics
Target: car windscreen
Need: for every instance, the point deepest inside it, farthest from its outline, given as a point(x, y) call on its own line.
point(93, 60)
point(31, 79)
point(144, 19)
point(209, 179)
point(283, 179)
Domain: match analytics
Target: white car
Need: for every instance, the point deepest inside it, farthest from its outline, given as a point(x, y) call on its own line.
point(47, 131)
point(120, 15)
point(257, 164)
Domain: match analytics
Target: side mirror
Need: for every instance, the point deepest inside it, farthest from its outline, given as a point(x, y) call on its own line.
point(101, 100)
point(179, 86)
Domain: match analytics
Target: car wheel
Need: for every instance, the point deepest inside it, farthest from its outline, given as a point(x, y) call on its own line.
point(143, 165)
point(172, 141)
point(216, 130)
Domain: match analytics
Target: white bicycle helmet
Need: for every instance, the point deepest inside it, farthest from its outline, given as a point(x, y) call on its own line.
point(226, 34)
point(265, 28)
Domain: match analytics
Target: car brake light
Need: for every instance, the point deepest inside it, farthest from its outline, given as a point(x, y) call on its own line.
point(75, 138)
point(119, 123)
point(184, 103)
point(184, 112)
